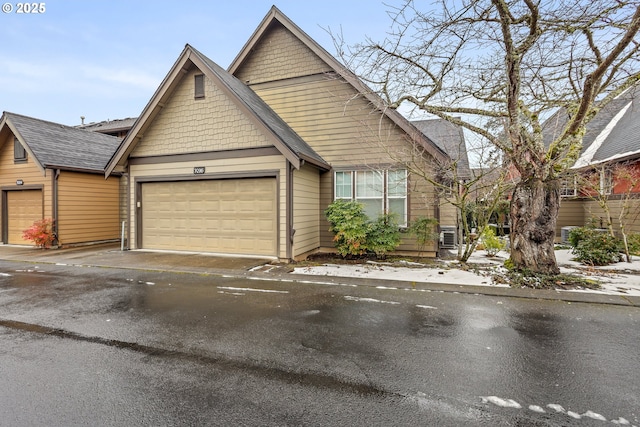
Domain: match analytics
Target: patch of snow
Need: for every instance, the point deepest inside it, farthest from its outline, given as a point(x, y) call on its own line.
point(427, 306)
point(621, 422)
point(574, 415)
point(622, 278)
point(538, 409)
point(229, 288)
point(594, 415)
point(498, 401)
point(359, 299)
point(555, 407)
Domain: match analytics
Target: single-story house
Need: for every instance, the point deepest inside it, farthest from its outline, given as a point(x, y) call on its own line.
point(244, 161)
point(48, 170)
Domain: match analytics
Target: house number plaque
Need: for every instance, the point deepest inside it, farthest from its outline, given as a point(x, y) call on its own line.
point(198, 170)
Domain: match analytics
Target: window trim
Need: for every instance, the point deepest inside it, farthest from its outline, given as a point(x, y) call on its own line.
point(606, 182)
point(568, 190)
point(385, 193)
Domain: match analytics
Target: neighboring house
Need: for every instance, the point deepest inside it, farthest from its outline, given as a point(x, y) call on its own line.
point(612, 139)
point(48, 170)
point(118, 128)
point(450, 139)
point(245, 161)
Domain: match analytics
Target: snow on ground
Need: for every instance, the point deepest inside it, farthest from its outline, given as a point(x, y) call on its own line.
point(616, 279)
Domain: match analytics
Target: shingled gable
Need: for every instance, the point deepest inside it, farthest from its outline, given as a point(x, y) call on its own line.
point(611, 135)
point(288, 143)
point(276, 16)
point(56, 146)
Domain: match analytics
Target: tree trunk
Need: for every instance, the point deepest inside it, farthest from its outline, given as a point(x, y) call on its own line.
point(534, 213)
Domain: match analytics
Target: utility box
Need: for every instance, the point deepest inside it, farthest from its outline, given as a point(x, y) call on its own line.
point(448, 237)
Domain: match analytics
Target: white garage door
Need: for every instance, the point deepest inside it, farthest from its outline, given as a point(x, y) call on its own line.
point(235, 216)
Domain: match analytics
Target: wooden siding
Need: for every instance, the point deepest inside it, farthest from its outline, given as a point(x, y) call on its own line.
point(88, 208)
point(571, 214)
point(222, 168)
point(280, 55)
point(592, 211)
point(334, 120)
point(306, 204)
point(188, 125)
point(28, 172)
point(317, 110)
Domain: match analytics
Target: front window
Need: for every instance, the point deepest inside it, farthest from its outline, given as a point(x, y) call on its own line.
point(379, 191)
point(370, 192)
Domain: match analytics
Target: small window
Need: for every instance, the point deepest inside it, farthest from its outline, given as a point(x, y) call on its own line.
point(19, 153)
point(199, 86)
point(568, 187)
point(606, 182)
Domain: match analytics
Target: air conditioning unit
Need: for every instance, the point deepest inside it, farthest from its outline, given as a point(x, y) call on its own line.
point(564, 233)
point(448, 237)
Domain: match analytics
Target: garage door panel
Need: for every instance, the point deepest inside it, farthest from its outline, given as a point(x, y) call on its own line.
point(230, 216)
point(24, 207)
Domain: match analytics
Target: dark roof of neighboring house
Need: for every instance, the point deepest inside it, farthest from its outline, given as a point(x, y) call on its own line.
point(292, 146)
point(264, 112)
point(450, 139)
point(54, 145)
point(613, 134)
point(107, 126)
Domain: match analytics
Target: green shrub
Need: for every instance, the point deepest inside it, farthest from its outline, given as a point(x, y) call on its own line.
point(424, 229)
point(349, 226)
point(383, 235)
point(492, 243)
point(633, 240)
point(594, 247)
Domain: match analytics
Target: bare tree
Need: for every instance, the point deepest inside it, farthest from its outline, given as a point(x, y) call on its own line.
point(503, 67)
point(624, 204)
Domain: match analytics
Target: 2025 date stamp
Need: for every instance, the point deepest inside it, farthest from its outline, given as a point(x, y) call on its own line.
point(24, 8)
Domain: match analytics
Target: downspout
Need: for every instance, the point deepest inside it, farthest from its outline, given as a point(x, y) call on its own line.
point(54, 205)
point(289, 213)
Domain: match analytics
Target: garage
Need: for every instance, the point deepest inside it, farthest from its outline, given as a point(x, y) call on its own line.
point(24, 207)
point(233, 216)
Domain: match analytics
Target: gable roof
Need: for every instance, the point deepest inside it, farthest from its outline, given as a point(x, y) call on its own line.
point(294, 148)
point(57, 146)
point(450, 138)
point(275, 16)
point(613, 134)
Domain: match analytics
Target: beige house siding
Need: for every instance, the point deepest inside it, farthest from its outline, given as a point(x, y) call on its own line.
point(306, 221)
point(331, 116)
point(337, 130)
point(593, 211)
point(222, 168)
point(571, 213)
point(88, 208)
point(28, 173)
point(280, 55)
point(188, 125)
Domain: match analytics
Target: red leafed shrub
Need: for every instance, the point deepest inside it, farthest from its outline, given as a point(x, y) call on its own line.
point(41, 233)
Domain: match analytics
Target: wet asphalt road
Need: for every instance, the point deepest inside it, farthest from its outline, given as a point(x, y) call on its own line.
point(103, 346)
